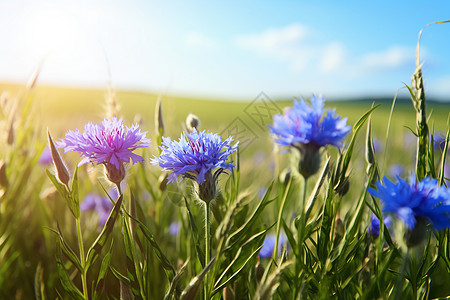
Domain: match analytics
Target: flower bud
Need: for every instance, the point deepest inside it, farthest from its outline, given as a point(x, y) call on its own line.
point(163, 180)
point(159, 121)
point(228, 293)
point(310, 159)
point(192, 121)
point(285, 176)
point(61, 169)
point(259, 270)
point(415, 236)
point(113, 174)
point(3, 178)
point(207, 189)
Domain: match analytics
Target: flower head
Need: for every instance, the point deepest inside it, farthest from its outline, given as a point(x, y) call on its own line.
point(46, 157)
point(195, 156)
point(269, 244)
point(110, 142)
point(374, 226)
point(415, 201)
point(309, 125)
point(102, 205)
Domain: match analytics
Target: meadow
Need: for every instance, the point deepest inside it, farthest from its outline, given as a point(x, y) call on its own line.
point(153, 242)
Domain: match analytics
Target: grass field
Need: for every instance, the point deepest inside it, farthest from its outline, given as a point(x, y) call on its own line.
point(30, 263)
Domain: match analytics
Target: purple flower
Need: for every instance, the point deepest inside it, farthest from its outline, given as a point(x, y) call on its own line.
point(415, 201)
point(195, 156)
point(46, 157)
point(269, 244)
point(309, 125)
point(102, 205)
point(374, 226)
point(396, 170)
point(107, 143)
point(439, 141)
point(174, 228)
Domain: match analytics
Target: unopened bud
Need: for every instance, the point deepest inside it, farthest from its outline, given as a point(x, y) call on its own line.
point(342, 187)
point(416, 236)
point(113, 174)
point(285, 176)
point(159, 121)
point(61, 169)
point(259, 270)
point(3, 178)
point(163, 180)
point(310, 159)
point(228, 293)
point(192, 121)
point(207, 189)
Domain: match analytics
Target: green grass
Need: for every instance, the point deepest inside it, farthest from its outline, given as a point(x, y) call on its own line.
point(28, 246)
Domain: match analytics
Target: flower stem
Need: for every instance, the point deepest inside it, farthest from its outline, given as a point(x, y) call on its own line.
point(207, 246)
point(280, 215)
point(83, 261)
point(301, 230)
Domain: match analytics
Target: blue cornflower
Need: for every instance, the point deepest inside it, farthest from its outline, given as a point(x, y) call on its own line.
point(308, 128)
point(307, 125)
point(415, 201)
point(374, 226)
point(195, 156)
point(269, 244)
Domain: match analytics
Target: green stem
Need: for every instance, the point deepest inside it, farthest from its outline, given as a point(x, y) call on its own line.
point(207, 246)
point(83, 261)
point(280, 215)
point(301, 230)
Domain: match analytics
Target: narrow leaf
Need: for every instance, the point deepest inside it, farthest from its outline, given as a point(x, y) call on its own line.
point(96, 248)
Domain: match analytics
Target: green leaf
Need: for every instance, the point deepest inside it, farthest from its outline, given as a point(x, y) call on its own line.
point(175, 281)
point(159, 253)
point(103, 270)
point(75, 202)
point(96, 248)
point(238, 271)
point(191, 290)
point(39, 287)
point(66, 250)
point(65, 194)
point(290, 237)
point(67, 284)
point(132, 265)
point(242, 231)
point(194, 228)
point(349, 151)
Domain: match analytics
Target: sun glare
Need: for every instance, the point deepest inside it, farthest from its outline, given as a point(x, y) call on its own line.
point(52, 28)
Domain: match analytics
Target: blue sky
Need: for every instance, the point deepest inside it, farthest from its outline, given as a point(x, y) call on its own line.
point(228, 49)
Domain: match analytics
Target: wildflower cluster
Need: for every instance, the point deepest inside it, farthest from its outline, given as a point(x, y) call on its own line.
point(413, 201)
point(110, 143)
point(308, 128)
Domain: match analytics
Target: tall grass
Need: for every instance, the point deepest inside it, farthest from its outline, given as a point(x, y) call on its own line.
point(154, 244)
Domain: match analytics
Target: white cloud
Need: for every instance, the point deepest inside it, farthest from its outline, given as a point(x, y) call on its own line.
point(332, 58)
point(296, 46)
point(391, 58)
point(287, 44)
point(200, 41)
point(440, 87)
